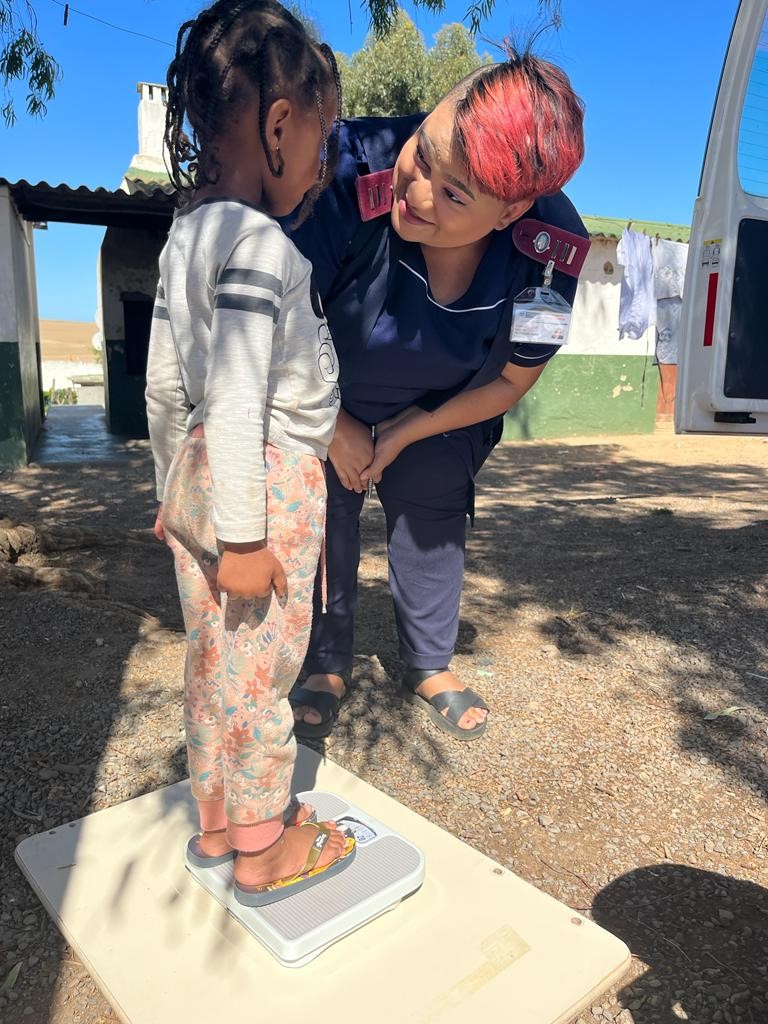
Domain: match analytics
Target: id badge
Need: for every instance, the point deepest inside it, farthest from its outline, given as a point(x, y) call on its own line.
point(540, 317)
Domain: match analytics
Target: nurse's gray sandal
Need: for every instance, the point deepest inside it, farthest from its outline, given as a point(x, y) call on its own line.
point(309, 875)
point(196, 858)
point(457, 703)
point(325, 704)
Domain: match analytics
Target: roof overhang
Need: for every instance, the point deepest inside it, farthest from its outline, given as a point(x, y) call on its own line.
point(150, 207)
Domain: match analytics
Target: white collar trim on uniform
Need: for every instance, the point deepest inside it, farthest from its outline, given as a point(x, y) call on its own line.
point(472, 309)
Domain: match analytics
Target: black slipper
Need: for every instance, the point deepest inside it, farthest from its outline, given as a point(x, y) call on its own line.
point(456, 702)
point(326, 704)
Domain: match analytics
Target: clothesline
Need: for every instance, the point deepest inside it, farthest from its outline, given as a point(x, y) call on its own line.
point(654, 239)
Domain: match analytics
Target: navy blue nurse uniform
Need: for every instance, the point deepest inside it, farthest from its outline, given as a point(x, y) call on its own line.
point(397, 347)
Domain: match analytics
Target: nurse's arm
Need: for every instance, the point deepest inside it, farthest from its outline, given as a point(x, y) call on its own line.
point(462, 410)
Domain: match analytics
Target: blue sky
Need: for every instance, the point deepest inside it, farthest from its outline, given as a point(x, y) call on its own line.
point(647, 73)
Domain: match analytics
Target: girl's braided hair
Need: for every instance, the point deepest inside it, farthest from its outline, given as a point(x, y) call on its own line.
point(232, 48)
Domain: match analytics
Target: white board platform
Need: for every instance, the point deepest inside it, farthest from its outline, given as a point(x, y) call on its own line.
point(474, 943)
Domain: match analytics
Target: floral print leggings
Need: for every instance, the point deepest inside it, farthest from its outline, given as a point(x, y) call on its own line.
point(243, 656)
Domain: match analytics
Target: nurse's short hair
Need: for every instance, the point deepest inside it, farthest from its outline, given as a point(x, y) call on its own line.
point(519, 127)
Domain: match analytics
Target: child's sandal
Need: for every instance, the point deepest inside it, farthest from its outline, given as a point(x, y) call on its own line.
point(196, 858)
point(272, 892)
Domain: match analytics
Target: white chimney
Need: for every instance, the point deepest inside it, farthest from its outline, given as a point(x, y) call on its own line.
point(152, 107)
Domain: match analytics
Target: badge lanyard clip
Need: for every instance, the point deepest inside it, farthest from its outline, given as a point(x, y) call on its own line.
point(549, 270)
point(541, 316)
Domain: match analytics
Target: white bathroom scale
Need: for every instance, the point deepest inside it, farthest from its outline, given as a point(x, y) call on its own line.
point(473, 942)
point(385, 870)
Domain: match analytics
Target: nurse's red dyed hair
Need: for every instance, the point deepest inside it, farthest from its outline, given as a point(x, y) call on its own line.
point(519, 126)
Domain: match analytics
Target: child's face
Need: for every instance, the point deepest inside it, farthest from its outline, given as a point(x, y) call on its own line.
point(299, 136)
point(434, 202)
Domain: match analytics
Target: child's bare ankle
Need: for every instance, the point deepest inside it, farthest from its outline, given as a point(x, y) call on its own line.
point(215, 843)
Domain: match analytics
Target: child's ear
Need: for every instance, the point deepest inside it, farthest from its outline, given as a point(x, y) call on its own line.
point(512, 212)
point(275, 121)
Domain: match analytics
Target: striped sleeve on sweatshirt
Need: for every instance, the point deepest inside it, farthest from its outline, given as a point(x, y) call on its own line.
point(167, 400)
point(246, 308)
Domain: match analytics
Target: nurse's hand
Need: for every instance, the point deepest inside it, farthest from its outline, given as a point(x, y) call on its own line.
point(351, 451)
point(390, 441)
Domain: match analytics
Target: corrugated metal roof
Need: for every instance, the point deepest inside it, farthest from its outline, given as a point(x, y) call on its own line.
point(612, 227)
point(148, 206)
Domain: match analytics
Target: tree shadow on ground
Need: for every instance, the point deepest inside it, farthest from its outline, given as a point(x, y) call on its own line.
point(561, 531)
point(605, 568)
point(64, 699)
point(704, 937)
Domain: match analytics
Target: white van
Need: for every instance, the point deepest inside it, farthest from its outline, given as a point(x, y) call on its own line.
point(723, 373)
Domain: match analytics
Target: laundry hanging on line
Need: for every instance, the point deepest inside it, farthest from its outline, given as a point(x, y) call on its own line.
point(637, 301)
point(669, 262)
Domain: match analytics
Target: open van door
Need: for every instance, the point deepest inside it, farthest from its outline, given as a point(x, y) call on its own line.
point(722, 382)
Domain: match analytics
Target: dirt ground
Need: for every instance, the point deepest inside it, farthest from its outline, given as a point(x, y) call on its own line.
point(616, 596)
point(67, 339)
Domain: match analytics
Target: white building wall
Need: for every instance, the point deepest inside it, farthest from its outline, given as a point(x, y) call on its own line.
point(61, 371)
point(128, 263)
point(19, 325)
point(152, 151)
point(9, 332)
point(595, 325)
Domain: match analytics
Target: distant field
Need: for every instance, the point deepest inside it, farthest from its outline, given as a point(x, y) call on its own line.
point(67, 340)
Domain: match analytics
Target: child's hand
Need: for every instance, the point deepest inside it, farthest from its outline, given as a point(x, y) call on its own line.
point(158, 530)
point(251, 570)
point(350, 451)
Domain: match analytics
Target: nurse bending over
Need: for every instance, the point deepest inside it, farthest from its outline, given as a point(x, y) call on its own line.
point(419, 304)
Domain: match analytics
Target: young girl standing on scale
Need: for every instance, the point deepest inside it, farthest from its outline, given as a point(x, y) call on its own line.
point(242, 399)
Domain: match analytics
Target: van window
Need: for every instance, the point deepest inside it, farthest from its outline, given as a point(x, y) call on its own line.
point(753, 132)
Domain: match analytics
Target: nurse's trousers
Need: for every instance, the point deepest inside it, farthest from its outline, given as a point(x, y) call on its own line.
point(427, 494)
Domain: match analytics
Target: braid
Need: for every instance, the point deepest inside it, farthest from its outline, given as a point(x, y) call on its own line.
point(329, 55)
point(216, 37)
point(229, 47)
point(276, 169)
point(177, 143)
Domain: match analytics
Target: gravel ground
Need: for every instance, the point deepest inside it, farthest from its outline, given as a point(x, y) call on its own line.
point(616, 595)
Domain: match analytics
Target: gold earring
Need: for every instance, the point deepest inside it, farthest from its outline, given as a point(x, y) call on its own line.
point(275, 169)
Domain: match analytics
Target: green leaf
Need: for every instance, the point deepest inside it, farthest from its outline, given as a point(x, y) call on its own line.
point(11, 978)
point(24, 61)
point(726, 712)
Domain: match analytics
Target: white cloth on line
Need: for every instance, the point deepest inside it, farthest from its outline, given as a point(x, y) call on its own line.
point(637, 302)
point(669, 260)
point(668, 318)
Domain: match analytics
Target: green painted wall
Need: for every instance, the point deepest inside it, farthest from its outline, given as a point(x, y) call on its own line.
point(581, 395)
point(13, 443)
point(21, 412)
point(30, 390)
point(126, 407)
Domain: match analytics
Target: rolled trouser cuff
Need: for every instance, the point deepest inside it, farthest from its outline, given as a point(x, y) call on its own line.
point(213, 816)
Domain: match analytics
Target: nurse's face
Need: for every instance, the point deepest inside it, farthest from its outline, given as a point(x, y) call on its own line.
point(434, 202)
